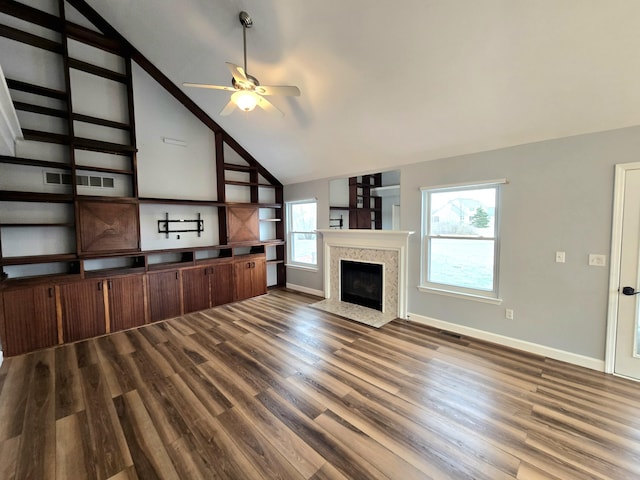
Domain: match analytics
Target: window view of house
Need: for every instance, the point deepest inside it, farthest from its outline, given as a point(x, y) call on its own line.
point(461, 238)
point(302, 223)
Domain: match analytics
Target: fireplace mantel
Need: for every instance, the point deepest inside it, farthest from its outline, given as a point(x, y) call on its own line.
point(380, 242)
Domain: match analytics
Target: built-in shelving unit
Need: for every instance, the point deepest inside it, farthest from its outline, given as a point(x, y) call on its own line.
point(89, 213)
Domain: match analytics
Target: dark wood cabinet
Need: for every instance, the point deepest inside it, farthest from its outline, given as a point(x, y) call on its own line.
point(29, 319)
point(126, 302)
point(207, 286)
point(83, 311)
point(164, 295)
point(250, 277)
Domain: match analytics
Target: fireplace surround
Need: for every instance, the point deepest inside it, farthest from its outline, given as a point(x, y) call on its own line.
point(386, 247)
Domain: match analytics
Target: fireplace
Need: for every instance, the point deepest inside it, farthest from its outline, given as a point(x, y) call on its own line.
point(361, 283)
point(384, 249)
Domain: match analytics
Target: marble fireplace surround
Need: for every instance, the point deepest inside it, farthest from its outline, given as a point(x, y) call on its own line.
point(386, 247)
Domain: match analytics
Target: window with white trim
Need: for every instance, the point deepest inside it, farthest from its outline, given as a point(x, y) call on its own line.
point(302, 245)
point(460, 238)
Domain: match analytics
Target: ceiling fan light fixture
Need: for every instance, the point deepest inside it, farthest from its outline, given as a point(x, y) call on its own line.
point(245, 101)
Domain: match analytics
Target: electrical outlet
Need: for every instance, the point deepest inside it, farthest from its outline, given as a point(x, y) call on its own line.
point(508, 314)
point(560, 256)
point(597, 260)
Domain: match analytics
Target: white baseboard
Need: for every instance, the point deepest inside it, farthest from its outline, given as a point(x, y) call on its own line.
point(310, 291)
point(573, 358)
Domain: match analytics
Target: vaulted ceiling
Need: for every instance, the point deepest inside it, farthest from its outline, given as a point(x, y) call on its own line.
point(388, 83)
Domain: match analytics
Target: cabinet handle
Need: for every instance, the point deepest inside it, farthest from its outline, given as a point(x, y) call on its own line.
point(176, 275)
point(50, 292)
point(99, 286)
point(109, 284)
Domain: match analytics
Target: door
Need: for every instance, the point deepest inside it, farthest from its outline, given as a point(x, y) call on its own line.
point(627, 335)
point(126, 302)
point(222, 282)
point(82, 307)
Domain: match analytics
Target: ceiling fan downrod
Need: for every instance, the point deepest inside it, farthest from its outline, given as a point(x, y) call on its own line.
point(246, 22)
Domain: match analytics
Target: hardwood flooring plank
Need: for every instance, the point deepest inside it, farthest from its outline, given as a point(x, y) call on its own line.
point(8, 457)
point(148, 453)
point(74, 456)
point(381, 458)
point(107, 439)
point(211, 397)
point(304, 459)
point(115, 368)
point(13, 399)
point(259, 452)
point(36, 457)
point(68, 390)
point(343, 459)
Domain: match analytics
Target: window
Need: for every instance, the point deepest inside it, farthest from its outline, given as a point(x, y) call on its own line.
point(460, 238)
point(301, 226)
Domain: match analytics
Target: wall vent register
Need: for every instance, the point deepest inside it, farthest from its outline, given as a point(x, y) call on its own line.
point(55, 178)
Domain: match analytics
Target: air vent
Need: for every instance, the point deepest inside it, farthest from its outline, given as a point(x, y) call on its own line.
point(54, 178)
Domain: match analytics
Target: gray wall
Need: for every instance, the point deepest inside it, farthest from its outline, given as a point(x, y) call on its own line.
point(303, 191)
point(559, 198)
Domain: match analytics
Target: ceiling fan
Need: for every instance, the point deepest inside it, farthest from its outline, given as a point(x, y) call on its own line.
point(247, 91)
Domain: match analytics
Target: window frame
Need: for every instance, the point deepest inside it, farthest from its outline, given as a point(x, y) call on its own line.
point(490, 296)
point(290, 235)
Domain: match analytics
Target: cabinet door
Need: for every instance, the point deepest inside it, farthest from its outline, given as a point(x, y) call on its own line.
point(242, 279)
point(195, 289)
point(259, 277)
point(29, 319)
point(82, 307)
point(250, 278)
point(164, 295)
point(126, 302)
point(221, 280)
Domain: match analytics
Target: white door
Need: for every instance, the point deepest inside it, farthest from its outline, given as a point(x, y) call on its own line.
point(627, 335)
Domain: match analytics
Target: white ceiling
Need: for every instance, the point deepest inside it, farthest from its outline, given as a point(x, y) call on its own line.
point(389, 82)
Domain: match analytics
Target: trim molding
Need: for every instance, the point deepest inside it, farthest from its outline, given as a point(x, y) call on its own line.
point(300, 288)
point(563, 356)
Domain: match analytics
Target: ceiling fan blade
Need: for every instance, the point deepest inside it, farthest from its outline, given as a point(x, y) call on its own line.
point(239, 75)
point(206, 85)
point(267, 106)
point(285, 90)
point(228, 108)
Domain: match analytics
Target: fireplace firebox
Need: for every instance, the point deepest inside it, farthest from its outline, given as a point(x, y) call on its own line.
point(361, 283)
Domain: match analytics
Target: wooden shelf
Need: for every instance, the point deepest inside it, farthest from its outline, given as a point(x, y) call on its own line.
point(169, 201)
point(36, 89)
point(270, 219)
point(104, 170)
point(29, 107)
point(32, 259)
point(98, 71)
point(13, 196)
point(26, 225)
point(259, 205)
point(113, 272)
point(100, 121)
point(33, 163)
point(30, 39)
point(239, 168)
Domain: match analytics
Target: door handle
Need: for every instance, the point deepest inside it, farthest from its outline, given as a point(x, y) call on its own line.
point(629, 291)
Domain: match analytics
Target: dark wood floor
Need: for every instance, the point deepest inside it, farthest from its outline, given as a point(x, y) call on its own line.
point(271, 388)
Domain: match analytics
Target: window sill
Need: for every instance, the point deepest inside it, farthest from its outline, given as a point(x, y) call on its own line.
point(302, 267)
point(465, 296)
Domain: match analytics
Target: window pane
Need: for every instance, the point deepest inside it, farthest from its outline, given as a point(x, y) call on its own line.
point(303, 217)
point(463, 212)
point(303, 248)
point(461, 262)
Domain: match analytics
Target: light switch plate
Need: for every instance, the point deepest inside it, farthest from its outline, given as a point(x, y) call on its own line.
point(597, 260)
point(560, 257)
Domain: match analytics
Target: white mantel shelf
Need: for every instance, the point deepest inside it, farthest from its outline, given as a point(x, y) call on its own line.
point(381, 240)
